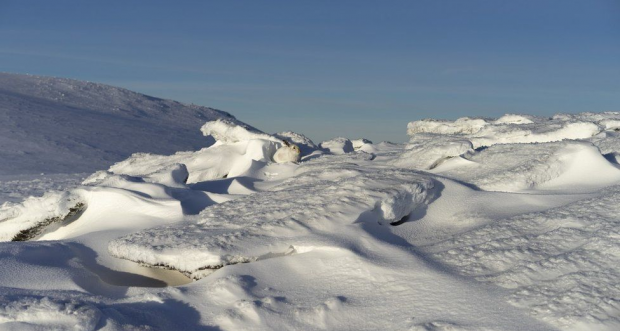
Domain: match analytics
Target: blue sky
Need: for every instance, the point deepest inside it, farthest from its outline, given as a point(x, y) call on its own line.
point(331, 68)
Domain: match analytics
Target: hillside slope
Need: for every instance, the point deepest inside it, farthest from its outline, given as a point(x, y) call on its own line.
point(58, 125)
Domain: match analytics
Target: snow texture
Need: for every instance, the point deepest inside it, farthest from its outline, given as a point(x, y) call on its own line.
point(273, 223)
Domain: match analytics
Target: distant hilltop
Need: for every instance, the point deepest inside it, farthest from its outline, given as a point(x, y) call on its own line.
point(59, 125)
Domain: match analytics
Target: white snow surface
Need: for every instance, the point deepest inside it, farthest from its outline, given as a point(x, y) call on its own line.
point(475, 224)
point(57, 125)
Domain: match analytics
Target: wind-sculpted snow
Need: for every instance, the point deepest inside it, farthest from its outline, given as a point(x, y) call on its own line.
point(232, 131)
point(562, 264)
point(475, 224)
point(516, 167)
point(218, 161)
point(305, 212)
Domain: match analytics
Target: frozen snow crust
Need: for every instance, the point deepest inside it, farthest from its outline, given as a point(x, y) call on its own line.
point(475, 224)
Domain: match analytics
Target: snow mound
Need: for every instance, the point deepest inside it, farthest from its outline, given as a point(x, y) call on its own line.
point(57, 125)
point(324, 197)
point(561, 264)
point(231, 131)
point(218, 161)
point(517, 167)
point(338, 146)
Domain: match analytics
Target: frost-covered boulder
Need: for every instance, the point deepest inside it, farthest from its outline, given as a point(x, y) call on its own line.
point(338, 145)
point(325, 196)
point(27, 220)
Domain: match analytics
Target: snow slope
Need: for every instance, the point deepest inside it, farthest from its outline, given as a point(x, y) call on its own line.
point(58, 125)
point(475, 224)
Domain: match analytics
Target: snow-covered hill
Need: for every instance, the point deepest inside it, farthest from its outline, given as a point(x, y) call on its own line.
point(58, 125)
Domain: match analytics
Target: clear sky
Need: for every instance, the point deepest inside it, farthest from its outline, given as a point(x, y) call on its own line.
point(331, 68)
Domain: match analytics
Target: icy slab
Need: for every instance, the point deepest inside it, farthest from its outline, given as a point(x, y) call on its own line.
point(323, 198)
point(562, 264)
point(338, 146)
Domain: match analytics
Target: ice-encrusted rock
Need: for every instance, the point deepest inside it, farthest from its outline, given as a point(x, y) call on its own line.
point(24, 221)
point(562, 264)
point(338, 146)
point(324, 197)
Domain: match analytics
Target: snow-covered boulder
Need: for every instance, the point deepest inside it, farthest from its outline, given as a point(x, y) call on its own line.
point(338, 146)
